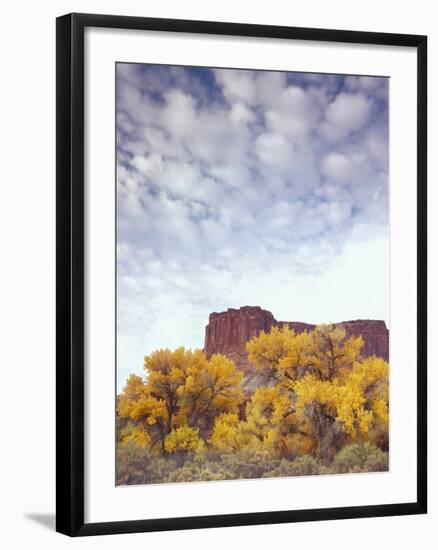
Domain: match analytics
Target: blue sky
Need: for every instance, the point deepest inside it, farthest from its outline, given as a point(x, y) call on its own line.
point(240, 187)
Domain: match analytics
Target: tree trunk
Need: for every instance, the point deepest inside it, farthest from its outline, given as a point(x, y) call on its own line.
point(327, 431)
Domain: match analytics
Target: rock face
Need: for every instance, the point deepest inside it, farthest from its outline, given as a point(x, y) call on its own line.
point(227, 333)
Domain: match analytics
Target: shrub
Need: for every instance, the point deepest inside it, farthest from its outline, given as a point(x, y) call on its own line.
point(360, 457)
point(136, 465)
point(304, 465)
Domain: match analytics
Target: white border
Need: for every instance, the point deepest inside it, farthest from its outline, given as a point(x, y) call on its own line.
point(104, 501)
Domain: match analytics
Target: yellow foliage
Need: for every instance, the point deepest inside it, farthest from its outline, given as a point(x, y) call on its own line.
point(358, 399)
point(270, 426)
point(184, 439)
point(318, 396)
point(181, 388)
point(266, 350)
point(331, 353)
point(138, 436)
point(143, 408)
point(210, 388)
point(134, 387)
point(152, 405)
point(285, 356)
point(224, 435)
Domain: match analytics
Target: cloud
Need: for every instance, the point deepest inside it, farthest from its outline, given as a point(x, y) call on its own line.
point(346, 114)
point(237, 85)
point(232, 185)
point(338, 167)
point(241, 114)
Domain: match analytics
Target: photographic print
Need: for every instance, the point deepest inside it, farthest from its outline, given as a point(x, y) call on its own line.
point(252, 274)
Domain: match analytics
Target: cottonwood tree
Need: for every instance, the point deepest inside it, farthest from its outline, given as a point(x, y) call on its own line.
point(270, 425)
point(210, 388)
point(181, 388)
point(333, 398)
point(318, 396)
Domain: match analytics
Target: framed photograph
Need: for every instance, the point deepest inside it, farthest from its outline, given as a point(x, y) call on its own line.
point(241, 274)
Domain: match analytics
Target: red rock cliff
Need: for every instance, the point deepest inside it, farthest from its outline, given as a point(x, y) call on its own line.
point(228, 331)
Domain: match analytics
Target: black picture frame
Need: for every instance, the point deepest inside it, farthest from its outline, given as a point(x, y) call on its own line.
point(70, 273)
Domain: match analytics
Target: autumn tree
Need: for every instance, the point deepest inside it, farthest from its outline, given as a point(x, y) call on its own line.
point(147, 414)
point(210, 388)
point(371, 378)
point(166, 372)
point(316, 397)
point(181, 388)
point(352, 407)
point(331, 399)
point(152, 404)
point(182, 441)
point(330, 352)
point(270, 425)
point(268, 353)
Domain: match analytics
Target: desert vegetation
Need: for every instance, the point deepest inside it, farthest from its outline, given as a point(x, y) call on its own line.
point(314, 406)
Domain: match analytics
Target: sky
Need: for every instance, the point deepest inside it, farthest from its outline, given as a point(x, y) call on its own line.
point(242, 187)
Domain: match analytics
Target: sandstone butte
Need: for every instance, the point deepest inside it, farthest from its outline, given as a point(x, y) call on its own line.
point(227, 333)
